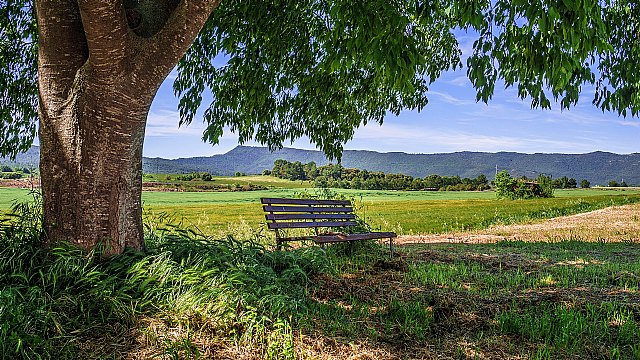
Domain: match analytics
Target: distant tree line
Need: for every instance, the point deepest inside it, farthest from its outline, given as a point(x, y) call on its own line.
point(564, 183)
point(336, 176)
point(7, 172)
point(193, 176)
point(509, 187)
point(614, 183)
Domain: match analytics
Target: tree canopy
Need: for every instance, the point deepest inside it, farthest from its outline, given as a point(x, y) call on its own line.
point(277, 70)
point(18, 76)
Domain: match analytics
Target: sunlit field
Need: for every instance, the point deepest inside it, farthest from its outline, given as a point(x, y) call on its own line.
point(405, 212)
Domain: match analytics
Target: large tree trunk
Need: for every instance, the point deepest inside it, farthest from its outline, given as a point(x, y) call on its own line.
point(98, 74)
point(91, 168)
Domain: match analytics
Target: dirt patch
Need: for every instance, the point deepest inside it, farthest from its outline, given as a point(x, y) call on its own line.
point(612, 224)
point(452, 238)
point(616, 223)
point(26, 183)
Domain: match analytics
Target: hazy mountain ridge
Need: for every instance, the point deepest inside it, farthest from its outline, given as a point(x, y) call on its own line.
point(597, 167)
point(28, 159)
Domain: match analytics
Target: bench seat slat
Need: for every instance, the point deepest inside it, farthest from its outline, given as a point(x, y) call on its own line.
point(307, 209)
point(272, 201)
point(309, 216)
point(320, 239)
point(297, 238)
point(309, 224)
point(342, 237)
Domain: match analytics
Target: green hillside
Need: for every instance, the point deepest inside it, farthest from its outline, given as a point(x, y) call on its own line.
point(597, 167)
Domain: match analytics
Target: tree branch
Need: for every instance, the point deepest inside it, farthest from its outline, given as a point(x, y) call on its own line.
point(62, 47)
point(107, 33)
point(159, 55)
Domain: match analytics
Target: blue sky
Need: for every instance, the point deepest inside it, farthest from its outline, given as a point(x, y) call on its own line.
point(452, 121)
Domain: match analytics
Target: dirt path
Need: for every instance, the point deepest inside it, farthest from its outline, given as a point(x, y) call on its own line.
point(616, 223)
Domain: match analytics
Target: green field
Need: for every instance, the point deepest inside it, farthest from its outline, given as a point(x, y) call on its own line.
point(9, 196)
point(406, 212)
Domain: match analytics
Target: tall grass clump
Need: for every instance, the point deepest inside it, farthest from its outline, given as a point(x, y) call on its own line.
point(62, 302)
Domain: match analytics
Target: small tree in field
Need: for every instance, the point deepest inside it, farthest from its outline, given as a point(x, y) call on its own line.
point(504, 185)
point(585, 184)
point(545, 186)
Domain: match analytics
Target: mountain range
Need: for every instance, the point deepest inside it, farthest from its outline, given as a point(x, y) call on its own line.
point(597, 167)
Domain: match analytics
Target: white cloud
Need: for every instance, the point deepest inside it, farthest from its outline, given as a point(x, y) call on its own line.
point(173, 74)
point(635, 124)
point(164, 122)
point(461, 80)
point(422, 139)
point(450, 99)
point(466, 40)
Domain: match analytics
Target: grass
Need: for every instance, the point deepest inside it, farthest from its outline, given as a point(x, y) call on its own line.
point(405, 212)
point(192, 296)
point(402, 212)
point(512, 299)
point(65, 303)
point(9, 196)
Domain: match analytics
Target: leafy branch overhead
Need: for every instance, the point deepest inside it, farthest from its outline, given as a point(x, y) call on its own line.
point(18, 77)
point(276, 70)
point(279, 70)
point(312, 68)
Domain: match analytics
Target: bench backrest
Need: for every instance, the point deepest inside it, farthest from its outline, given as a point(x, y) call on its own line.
point(307, 213)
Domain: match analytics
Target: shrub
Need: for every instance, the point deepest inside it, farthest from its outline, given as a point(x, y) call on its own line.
point(10, 175)
point(545, 185)
point(504, 185)
point(509, 188)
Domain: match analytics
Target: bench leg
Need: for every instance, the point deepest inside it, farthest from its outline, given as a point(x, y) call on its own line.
point(278, 245)
point(323, 246)
point(391, 246)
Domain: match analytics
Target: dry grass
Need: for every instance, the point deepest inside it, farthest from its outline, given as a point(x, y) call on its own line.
point(612, 224)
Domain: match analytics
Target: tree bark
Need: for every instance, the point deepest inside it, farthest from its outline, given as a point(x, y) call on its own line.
point(91, 168)
point(97, 80)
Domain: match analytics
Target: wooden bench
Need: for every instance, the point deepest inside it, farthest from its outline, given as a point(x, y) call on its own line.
point(283, 214)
